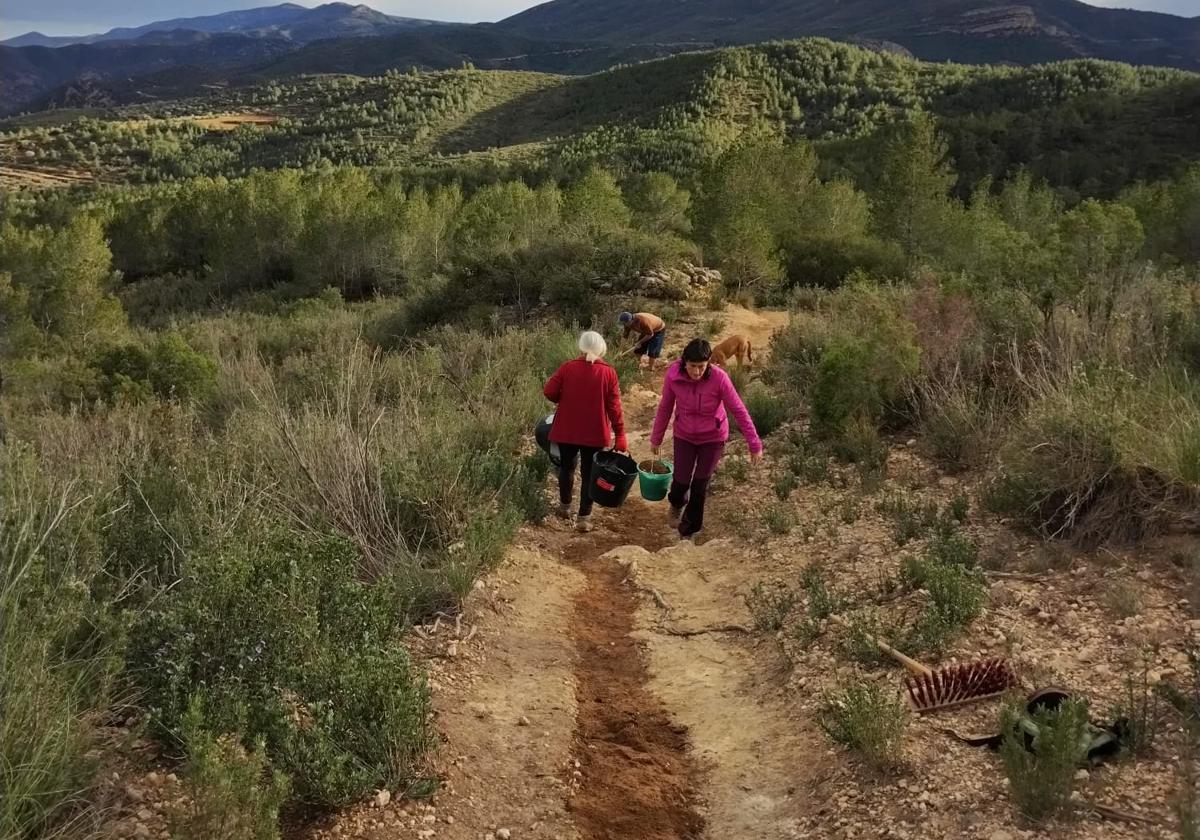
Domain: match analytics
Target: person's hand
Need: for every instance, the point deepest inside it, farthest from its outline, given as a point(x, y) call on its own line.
point(654, 450)
point(755, 458)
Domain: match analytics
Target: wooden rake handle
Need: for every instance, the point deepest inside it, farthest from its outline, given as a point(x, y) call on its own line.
point(908, 662)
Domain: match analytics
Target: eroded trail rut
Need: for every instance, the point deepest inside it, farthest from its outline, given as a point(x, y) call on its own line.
point(638, 778)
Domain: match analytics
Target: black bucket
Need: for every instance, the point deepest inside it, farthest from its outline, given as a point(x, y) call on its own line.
point(613, 475)
point(541, 434)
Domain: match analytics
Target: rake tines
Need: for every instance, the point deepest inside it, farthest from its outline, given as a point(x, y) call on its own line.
point(955, 685)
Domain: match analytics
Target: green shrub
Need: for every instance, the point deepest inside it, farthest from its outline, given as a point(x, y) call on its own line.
point(1041, 776)
point(785, 483)
point(168, 369)
point(869, 719)
point(952, 547)
point(59, 652)
point(864, 626)
point(1123, 599)
point(779, 518)
point(806, 458)
point(277, 637)
point(821, 602)
point(230, 792)
point(957, 591)
point(866, 363)
point(858, 442)
point(1101, 454)
point(737, 469)
point(767, 410)
point(958, 508)
point(826, 262)
point(769, 605)
point(912, 517)
point(843, 387)
point(1140, 708)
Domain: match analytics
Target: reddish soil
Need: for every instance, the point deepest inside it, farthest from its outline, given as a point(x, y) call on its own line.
point(639, 780)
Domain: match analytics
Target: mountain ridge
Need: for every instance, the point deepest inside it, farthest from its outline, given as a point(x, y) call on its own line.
point(972, 31)
point(290, 20)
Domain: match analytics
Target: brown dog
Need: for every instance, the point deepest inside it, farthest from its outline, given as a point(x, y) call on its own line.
point(734, 346)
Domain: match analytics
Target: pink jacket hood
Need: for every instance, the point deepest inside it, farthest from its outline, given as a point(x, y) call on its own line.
point(701, 408)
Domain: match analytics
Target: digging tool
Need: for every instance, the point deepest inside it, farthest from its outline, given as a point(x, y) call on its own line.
point(931, 690)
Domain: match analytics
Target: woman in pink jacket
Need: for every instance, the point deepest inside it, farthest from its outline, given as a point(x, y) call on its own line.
point(700, 396)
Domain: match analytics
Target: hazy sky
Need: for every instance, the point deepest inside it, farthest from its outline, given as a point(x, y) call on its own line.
point(81, 17)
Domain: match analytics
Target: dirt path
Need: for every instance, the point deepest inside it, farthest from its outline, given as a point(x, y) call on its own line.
point(637, 775)
point(599, 697)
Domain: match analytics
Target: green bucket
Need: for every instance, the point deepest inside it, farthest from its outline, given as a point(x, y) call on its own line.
point(652, 481)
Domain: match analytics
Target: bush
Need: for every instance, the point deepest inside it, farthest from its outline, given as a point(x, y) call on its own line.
point(230, 792)
point(769, 605)
point(1102, 455)
point(956, 597)
point(1041, 767)
point(168, 369)
point(864, 626)
point(958, 426)
point(779, 518)
point(869, 719)
point(806, 458)
point(912, 517)
point(768, 411)
point(277, 637)
point(785, 483)
point(951, 547)
point(866, 364)
point(843, 387)
point(59, 652)
point(1139, 710)
point(827, 262)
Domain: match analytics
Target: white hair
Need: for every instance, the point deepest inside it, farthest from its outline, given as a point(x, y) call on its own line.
point(592, 345)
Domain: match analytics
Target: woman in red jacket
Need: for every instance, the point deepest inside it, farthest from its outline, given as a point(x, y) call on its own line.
point(588, 416)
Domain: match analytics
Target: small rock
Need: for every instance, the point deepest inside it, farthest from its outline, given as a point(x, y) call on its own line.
point(382, 798)
point(523, 721)
point(1081, 775)
point(452, 649)
point(172, 778)
point(503, 834)
point(1000, 834)
point(145, 814)
point(141, 832)
point(134, 795)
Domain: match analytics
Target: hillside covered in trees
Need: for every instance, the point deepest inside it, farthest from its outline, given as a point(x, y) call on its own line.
point(1088, 127)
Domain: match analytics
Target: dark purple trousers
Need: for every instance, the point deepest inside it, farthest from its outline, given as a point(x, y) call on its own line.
point(695, 464)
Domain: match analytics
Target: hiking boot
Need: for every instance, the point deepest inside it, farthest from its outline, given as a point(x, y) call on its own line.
point(563, 512)
point(583, 524)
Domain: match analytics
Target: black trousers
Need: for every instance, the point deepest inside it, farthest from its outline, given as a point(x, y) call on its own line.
point(570, 454)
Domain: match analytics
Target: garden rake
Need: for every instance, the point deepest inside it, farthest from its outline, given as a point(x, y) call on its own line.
point(931, 690)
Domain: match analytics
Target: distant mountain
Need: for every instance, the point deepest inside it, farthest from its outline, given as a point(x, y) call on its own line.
point(974, 31)
point(28, 74)
point(288, 21)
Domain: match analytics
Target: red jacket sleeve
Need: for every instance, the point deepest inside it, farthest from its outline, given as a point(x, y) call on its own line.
point(615, 415)
point(553, 386)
